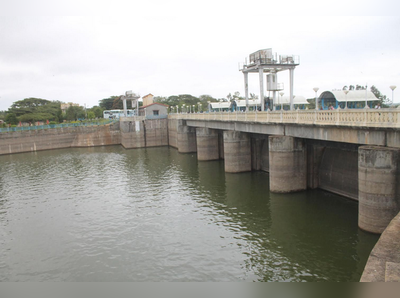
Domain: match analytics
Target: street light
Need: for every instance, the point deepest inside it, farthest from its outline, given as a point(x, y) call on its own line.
point(183, 106)
point(345, 92)
point(281, 94)
point(316, 100)
point(194, 108)
point(392, 87)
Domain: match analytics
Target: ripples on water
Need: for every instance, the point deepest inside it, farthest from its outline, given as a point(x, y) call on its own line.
point(110, 214)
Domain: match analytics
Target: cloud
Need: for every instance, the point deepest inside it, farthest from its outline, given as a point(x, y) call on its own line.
point(85, 59)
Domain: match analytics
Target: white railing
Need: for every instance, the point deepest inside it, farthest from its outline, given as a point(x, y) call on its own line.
point(384, 118)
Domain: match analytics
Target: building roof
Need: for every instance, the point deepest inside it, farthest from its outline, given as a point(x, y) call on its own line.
point(147, 95)
point(154, 103)
point(353, 95)
point(297, 100)
point(252, 102)
point(220, 105)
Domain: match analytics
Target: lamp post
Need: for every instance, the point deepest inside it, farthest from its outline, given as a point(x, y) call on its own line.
point(198, 108)
point(183, 106)
point(345, 92)
point(281, 94)
point(316, 99)
point(392, 87)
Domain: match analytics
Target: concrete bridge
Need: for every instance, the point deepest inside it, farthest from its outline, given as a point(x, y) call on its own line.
point(355, 153)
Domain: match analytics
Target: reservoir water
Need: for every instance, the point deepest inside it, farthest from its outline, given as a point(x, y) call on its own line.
point(110, 214)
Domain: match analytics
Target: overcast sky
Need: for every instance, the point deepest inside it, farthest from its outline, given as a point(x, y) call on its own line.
point(185, 47)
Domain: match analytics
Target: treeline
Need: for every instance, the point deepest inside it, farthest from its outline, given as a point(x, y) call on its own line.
point(115, 102)
point(39, 110)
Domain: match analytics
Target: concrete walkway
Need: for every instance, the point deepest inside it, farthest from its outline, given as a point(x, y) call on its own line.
point(384, 261)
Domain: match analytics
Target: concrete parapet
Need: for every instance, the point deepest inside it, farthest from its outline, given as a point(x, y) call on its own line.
point(237, 152)
point(186, 138)
point(287, 164)
point(379, 187)
point(207, 144)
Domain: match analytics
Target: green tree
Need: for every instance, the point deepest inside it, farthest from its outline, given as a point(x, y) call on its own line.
point(98, 111)
point(11, 118)
point(36, 109)
point(107, 103)
point(74, 113)
point(91, 115)
point(204, 99)
point(384, 101)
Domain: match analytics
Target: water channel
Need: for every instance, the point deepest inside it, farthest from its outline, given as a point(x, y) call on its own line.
point(110, 214)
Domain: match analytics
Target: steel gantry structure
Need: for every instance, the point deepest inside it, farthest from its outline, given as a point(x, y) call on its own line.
point(264, 61)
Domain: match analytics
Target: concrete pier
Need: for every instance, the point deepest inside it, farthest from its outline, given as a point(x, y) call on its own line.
point(287, 164)
point(207, 144)
point(186, 138)
point(378, 187)
point(237, 152)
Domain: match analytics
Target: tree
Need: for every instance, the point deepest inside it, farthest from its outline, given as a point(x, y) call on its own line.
point(91, 115)
point(160, 99)
point(36, 109)
point(98, 112)
point(11, 118)
point(74, 113)
point(384, 101)
point(107, 103)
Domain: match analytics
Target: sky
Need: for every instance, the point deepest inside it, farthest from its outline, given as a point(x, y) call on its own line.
point(183, 47)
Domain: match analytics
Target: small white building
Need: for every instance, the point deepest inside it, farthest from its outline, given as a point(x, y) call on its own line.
point(154, 109)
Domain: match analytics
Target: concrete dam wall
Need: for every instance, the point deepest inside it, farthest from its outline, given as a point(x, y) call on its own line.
point(57, 138)
point(130, 134)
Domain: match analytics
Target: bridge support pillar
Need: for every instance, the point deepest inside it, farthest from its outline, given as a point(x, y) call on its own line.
point(186, 138)
point(207, 144)
point(287, 164)
point(378, 187)
point(237, 152)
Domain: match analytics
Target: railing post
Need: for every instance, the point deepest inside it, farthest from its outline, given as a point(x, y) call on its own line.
point(315, 116)
point(337, 116)
point(365, 117)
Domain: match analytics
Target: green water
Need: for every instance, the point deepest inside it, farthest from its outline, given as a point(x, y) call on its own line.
point(110, 214)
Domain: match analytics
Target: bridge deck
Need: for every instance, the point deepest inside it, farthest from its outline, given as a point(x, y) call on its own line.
point(382, 118)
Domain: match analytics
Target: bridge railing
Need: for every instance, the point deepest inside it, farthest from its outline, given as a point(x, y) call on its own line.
point(385, 118)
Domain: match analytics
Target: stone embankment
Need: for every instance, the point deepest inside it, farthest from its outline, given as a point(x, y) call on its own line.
point(383, 264)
